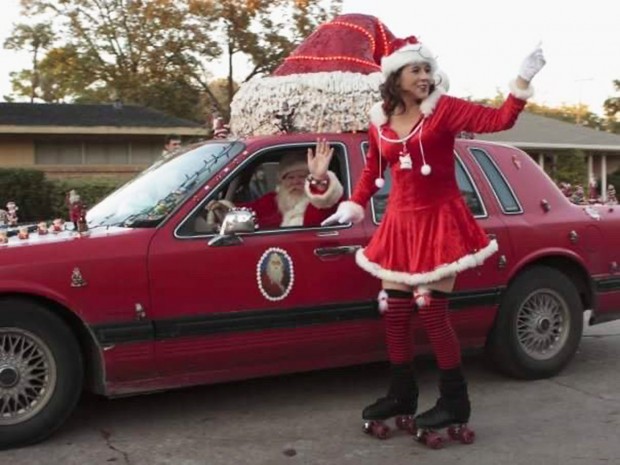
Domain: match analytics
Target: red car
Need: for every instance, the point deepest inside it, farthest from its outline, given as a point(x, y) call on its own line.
point(149, 299)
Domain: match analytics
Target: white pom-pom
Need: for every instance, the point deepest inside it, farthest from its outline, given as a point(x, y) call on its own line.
point(379, 182)
point(425, 170)
point(382, 299)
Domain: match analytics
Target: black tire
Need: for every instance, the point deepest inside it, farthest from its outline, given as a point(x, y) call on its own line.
point(37, 349)
point(538, 326)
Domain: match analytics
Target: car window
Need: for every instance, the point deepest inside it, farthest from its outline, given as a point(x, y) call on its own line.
point(506, 197)
point(466, 185)
point(255, 185)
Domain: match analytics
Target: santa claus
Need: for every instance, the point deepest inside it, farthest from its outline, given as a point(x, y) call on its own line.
point(306, 193)
point(274, 277)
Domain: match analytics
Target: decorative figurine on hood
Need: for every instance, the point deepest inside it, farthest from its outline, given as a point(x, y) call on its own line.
point(75, 206)
point(57, 225)
point(4, 217)
point(611, 195)
point(42, 228)
point(23, 233)
point(4, 239)
point(12, 208)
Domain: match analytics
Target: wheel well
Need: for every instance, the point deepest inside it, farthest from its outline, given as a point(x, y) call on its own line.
point(573, 270)
point(93, 366)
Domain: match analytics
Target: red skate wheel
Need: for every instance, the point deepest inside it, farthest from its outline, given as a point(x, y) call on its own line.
point(467, 436)
point(434, 441)
point(381, 431)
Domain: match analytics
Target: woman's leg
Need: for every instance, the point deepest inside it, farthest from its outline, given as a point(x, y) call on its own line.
point(453, 405)
point(401, 398)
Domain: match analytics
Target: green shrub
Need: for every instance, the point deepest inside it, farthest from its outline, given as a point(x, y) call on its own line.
point(91, 192)
point(29, 189)
point(39, 198)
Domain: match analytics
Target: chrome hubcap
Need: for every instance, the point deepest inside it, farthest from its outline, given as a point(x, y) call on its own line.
point(543, 323)
point(27, 375)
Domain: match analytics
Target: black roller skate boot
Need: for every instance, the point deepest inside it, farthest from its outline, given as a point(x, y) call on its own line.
point(401, 402)
point(452, 411)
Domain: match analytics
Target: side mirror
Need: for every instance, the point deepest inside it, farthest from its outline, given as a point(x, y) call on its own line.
point(237, 220)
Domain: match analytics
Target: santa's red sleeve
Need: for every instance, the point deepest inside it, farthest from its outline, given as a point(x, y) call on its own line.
point(366, 186)
point(461, 115)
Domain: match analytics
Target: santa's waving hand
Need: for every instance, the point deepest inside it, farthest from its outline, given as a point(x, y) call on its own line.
point(318, 163)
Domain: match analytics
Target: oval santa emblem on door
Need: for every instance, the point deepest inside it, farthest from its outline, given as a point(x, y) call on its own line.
point(275, 274)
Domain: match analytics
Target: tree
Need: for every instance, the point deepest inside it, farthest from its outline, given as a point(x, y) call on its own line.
point(133, 50)
point(571, 168)
point(36, 38)
point(158, 52)
point(612, 110)
point(266, 31)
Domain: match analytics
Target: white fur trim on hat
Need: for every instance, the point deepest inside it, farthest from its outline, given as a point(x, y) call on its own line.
point(379, 118)
point(522, 94)
point(407, 55)
point(330, 197)
point(443, 271)
point(322, 102)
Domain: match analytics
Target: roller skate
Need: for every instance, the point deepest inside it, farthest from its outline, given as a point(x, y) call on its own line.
point(400, 403)
point(428, 424)
point(452, 411)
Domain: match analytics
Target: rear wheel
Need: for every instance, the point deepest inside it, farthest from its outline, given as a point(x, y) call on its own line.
point(41, 372)
point(539, 325)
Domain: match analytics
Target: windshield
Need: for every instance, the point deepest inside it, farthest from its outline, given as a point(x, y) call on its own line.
point(147, 199)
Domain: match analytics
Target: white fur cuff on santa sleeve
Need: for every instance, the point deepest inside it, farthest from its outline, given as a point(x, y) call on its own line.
point(330, 197)
point(522, 94)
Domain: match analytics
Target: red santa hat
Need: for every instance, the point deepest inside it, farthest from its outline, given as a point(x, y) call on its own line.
point(407, 51)
point(328, 84)
point(290, 163)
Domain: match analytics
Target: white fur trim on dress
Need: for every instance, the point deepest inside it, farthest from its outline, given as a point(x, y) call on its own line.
point(441, 272)
point(522, 94)
point(330, 197)
point(322, 102)
point(379, 118)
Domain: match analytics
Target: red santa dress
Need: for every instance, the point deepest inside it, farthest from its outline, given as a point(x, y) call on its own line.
point(427, 232)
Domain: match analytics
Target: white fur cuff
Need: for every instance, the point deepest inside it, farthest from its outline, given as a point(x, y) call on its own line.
point(522, 94)
point(330, 197)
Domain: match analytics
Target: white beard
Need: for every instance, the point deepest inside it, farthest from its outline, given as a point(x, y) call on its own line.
point(275, 272)
point(292, 206)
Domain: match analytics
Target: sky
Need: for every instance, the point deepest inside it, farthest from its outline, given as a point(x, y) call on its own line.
point(479, 43)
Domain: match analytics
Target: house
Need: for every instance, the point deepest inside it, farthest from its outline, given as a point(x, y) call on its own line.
point(82, 140)
point(546, 139)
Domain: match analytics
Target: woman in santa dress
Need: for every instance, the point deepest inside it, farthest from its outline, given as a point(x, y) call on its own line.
point(428, 234)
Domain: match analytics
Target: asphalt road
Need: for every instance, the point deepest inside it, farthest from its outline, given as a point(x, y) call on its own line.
point(314, 418)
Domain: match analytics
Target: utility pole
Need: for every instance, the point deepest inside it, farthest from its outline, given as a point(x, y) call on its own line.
point(579, 107)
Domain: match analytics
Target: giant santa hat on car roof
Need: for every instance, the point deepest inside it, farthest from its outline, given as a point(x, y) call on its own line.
point(328, 84)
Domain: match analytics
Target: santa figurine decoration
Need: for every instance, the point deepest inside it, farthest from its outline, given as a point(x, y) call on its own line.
point(611, 195)
point(328, 84)
point(23, 233)
point(57, 225)
point(42, 228)
point(221, 130)
point(75, 206)
point(11, 212)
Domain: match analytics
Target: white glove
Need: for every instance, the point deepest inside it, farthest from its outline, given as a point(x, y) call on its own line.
point(348, 212)
point(532, 64)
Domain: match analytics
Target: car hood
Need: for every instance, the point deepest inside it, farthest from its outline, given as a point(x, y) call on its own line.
point(62, 237)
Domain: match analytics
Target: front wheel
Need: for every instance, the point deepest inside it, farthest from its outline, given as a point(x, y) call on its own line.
point(538, 326)
point(41, 372)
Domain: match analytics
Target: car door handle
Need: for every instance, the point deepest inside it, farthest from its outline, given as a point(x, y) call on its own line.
point(334, 251)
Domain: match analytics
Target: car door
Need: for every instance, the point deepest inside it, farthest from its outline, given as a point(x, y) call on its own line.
point(220, 312)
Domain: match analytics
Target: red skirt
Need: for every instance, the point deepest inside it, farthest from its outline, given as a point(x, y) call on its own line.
point(423, 245)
